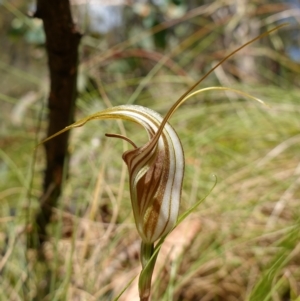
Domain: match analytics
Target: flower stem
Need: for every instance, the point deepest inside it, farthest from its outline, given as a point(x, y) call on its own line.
point(148, 264)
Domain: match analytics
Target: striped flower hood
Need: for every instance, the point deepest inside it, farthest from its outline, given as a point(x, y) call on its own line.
point(155, 169)
point(156, 173)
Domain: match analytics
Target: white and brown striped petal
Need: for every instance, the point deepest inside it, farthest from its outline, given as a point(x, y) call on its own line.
point(155, 169)
point(156, 174)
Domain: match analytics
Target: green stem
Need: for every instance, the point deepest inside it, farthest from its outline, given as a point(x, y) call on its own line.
point(148, 263)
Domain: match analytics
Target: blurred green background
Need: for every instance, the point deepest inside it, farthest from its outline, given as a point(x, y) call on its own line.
point(244, 238)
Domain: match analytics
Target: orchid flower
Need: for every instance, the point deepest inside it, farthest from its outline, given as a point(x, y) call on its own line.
point(156, 170)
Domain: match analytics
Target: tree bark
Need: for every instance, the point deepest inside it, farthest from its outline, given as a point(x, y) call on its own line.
point(62, 42)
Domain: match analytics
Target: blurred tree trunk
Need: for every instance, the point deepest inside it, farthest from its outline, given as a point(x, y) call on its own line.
point(62, 42)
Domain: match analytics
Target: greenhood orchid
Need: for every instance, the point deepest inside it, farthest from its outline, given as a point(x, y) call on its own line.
point(156, 171)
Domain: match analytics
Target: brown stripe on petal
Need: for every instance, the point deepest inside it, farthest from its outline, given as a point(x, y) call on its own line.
point(161, 196)
point(151, 217)
point(152, 188)
point(150, 184)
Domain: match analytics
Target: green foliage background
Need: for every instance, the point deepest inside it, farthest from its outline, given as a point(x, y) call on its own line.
point(246, 246)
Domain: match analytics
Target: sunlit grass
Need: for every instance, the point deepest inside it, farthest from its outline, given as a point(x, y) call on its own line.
point(244, 242)
point(241, 230)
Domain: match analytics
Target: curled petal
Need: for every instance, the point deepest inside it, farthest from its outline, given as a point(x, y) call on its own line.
point(156, 174)
point(155, 169)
